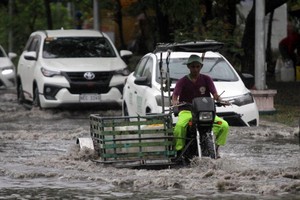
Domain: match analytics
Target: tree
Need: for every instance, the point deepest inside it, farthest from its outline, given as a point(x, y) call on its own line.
point(119, 21)
point(48, 14)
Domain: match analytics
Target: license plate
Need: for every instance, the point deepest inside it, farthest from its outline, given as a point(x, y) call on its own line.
point(89, 98)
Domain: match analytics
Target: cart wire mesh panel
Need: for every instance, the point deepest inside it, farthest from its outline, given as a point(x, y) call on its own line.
point(138, 140)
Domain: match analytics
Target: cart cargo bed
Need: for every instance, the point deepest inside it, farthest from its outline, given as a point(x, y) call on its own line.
point(133, 141)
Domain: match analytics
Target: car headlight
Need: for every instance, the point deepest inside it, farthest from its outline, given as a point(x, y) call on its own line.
point(242, 100)
point(7, 70)
point(159, 101)
point(49, 73)
point(205, 116)
point(124, 72)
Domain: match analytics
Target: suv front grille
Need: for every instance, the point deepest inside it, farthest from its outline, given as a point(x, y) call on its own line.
point(79, 76)
point(79, 84)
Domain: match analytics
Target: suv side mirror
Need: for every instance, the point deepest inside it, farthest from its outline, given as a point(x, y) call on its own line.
point(31, 55)
point(125, 53)
point(248, 80)
point(12, 55)
point(142, 81)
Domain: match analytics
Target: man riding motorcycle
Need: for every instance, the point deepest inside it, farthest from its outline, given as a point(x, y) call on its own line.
point(187, 88)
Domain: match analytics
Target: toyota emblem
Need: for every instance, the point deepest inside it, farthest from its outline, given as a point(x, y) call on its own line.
point(89, 75)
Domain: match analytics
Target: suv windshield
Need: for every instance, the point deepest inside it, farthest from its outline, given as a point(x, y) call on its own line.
point(217, 68)
point(77, 47)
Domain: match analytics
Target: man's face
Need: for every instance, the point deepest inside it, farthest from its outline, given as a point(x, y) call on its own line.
point(195, 68)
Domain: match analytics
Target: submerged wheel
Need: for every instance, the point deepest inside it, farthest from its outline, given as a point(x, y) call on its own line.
point(36, 98)
point(20, 94)
point(125, 111)
point(96, 146)
point(207, 146)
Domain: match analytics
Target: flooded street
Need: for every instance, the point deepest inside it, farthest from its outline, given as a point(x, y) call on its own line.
point(39, 159)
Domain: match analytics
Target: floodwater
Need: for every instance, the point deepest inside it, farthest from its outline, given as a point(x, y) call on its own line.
point(39, 159)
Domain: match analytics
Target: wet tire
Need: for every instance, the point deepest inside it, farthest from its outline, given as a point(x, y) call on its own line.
point(20, 94)
point(96, 146)
point(207, 146)
point(125, 111)
point(36, 98)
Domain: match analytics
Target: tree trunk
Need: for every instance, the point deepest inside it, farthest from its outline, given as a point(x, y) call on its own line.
point(162, 23)
point(119, 21)
point(48, 14)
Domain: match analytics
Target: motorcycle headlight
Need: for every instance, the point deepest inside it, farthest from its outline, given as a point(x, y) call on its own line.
point(49, 73)
point(205, 116)
point(243, 99)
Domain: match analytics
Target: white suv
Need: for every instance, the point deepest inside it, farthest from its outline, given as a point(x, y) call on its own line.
point(142, 92)
point(66, 67)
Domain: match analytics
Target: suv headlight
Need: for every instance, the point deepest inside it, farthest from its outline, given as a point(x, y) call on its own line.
point(242, 100)
point(205, 116)
point(124, 72)
point(49, 73)
point(159, 101)
point(7, 70)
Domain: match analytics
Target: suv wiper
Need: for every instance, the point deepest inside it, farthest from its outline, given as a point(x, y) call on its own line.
point(220, 79)
point(173, 79)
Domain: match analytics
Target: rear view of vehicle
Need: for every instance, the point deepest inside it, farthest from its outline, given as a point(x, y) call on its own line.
point(61, 68)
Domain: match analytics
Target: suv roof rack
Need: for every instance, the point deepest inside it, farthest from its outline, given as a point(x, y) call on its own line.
point(196, 46)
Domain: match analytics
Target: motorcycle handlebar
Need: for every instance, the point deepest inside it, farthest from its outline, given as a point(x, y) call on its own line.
point(217, 103)
point(223, 103)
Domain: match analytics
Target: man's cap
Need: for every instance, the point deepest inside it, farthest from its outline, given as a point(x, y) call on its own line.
point(194, 58)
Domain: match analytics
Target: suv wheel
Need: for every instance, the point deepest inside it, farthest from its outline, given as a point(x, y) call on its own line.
point(21, 98)
point(125, 111)
point(36, 98)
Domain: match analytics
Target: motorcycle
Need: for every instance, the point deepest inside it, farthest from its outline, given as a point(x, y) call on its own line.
point(200, 140)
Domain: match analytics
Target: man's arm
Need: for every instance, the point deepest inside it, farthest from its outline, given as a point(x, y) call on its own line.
point(174, 100)
point(216, 97)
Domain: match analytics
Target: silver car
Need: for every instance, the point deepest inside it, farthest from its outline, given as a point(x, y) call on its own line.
point(7, 69)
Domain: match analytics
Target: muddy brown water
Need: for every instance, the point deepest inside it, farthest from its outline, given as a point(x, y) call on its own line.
point(39, 159)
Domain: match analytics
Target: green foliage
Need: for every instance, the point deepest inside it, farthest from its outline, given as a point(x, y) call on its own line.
point(182, 12)
point(3, 27)
point(231, 36)
point(217, 28)
point(61, 18)
point(185, 20)
point(29, 16)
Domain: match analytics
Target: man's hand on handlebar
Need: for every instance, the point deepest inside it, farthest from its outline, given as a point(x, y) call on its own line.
point(175, 102)
point(178, 104)
point(223, 103)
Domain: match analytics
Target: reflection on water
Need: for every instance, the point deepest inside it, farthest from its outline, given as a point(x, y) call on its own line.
point(40, 160)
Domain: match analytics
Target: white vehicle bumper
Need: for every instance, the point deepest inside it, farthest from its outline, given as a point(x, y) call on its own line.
point(246, 115)
point(7, 78)
point(65, 98)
